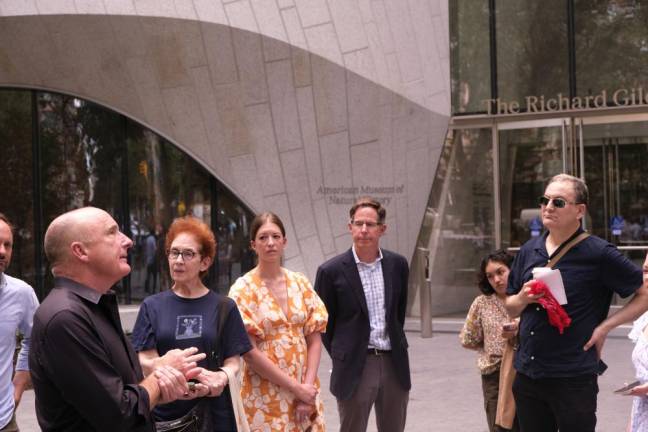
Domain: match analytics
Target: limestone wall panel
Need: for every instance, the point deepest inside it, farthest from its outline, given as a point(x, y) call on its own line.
point(279, 100)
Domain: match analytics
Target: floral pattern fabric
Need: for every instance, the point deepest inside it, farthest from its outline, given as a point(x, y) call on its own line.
point(482, 330)
point(639, 420)
point(282, 338)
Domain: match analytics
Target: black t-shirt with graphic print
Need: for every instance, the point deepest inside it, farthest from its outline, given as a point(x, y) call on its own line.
point(167, 321)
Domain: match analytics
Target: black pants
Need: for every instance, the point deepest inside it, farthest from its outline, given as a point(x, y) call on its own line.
point(552, 404)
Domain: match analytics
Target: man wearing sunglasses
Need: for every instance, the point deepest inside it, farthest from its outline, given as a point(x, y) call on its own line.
point(556, 384)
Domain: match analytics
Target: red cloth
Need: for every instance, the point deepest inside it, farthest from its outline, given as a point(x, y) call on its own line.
point(557, 315)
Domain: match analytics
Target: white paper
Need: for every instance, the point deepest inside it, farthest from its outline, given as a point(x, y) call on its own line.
point(554, 281)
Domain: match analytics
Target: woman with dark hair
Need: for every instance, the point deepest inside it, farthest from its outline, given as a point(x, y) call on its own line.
point(488, 328)
point(189, 315)
point(284, 318)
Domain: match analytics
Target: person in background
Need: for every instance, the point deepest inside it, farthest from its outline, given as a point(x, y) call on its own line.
point(18, 304)
point(151, 262)
point(284, 318)
point(187, 316)
point(488, 328)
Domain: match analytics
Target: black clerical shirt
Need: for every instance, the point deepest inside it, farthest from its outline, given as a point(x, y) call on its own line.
point(85, 372)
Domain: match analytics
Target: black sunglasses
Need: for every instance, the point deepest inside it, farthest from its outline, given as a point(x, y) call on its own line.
point(557, 202)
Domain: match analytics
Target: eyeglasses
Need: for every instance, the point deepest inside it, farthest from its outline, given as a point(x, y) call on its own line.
point(187, 254)
point(557, 202)
point(368, 224)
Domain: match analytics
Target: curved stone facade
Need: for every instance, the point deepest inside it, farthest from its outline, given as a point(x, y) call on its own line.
point(297, 105)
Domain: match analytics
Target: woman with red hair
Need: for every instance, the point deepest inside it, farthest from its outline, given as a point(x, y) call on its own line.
point(188, 315)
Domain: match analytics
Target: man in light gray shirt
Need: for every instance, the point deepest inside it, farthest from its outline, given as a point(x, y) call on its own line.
point(18, 304)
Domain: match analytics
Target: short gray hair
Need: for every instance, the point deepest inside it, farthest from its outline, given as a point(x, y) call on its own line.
point(580, 188)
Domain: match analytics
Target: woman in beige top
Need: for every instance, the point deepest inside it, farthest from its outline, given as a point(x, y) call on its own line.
point(485, 331)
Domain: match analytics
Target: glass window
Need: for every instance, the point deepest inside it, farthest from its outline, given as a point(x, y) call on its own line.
point(615, 159)
point(469, 47)
point(532, 56)
point(611, 46)
point(16, 182)
point(528, 158)
point(91, 156)
point(81, 156)
point(458, 227)
point(235, 257)
point(164, 183)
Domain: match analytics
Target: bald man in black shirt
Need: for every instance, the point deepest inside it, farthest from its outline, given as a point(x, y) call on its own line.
point(85, 373)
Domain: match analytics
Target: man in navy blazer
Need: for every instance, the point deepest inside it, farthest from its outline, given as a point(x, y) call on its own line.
point(365, 292)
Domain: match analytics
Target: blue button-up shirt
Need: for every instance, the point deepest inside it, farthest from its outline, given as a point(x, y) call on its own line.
point(373, 285)
point(591, 271)
point(18, 304)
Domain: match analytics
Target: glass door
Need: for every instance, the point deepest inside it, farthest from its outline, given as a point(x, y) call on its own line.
point(615, 157)
point(615, 154)
point(529, 153)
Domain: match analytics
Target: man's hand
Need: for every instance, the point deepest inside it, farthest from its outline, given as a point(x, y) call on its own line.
point(172, 383)
point(598, 339)
point(515, 304)
point(525, 295)
point(20, 381)
point(182, 360)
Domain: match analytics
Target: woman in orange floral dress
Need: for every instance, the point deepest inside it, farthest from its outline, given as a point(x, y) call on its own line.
point(284, 319)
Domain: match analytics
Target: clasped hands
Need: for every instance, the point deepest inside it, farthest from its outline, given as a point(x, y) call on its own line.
point(305, 403)
point(179, 376)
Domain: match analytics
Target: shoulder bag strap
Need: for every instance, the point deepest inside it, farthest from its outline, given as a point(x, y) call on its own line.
point(237, 404)
point(233, 380)
point(579, 238)
point(216, 354)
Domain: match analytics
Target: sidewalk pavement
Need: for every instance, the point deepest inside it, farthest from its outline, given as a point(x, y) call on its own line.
point(446, 394)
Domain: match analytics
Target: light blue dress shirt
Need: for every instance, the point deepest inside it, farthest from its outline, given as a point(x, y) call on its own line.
point(18, 303)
